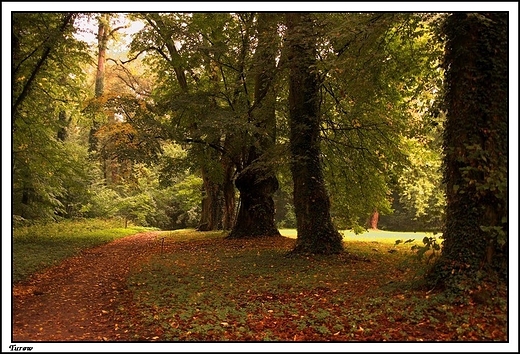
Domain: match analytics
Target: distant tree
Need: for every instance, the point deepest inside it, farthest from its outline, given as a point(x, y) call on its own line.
point(103, 115)
point(475, 147)
point(316, 232)
point(373, 220)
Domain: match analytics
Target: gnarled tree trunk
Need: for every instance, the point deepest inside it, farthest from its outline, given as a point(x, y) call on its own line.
point(256, 212)
point(257, 182)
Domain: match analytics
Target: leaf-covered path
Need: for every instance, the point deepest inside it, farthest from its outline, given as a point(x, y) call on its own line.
point(76, 299)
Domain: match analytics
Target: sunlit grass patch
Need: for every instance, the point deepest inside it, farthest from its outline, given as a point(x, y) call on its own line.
point(190, 234)
point(374, 235)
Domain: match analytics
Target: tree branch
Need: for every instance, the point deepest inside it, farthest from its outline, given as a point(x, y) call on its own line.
point(134, 58)
point(25, 91)
point(115, 30)
point(214, 146)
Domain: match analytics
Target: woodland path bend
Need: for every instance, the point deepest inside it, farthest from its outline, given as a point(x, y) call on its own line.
point(77, 300)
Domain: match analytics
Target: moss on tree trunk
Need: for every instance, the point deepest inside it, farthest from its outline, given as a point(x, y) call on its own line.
point(475, 146)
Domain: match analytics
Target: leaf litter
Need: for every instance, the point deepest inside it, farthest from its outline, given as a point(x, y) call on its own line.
point(240, 290)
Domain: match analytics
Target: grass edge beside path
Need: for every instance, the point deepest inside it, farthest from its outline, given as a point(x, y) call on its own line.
point(40, 246)
point(37, 247)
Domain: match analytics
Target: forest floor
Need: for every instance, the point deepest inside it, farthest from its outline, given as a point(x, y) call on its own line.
point(155, 286)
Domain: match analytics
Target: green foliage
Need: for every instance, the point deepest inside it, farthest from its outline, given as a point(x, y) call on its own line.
point(39, 245)
point(178, 206)
point(289, 219)
point(136, 207)
point(285, 216)
point(430, 244)
point(48, 84)
point(419, 198)
point(166, 196)
point(378, 78)
point(103, 202)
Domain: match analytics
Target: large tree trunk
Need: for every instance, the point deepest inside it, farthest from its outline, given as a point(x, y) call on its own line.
point(257, 181)
point(475, 146)
point(316, 232)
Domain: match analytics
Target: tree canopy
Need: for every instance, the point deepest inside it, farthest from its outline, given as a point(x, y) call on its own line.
point(239, 121)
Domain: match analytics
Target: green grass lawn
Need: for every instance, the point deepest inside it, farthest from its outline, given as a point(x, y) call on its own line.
point(40, 246)
point(212, 289)
point(375, 235)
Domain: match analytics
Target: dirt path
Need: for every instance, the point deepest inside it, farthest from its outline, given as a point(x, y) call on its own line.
point(77, 300)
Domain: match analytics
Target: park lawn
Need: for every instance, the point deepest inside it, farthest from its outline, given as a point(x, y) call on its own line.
point(375, 235)
point(37, 247)
point(213, 289)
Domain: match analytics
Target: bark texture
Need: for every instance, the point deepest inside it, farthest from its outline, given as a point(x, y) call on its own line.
point(316, 232)
point(256, 181)
point(475, 145)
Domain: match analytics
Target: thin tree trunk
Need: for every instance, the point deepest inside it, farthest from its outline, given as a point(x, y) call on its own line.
point(316, 232)
point(102, 38)
point(99, 90)
point(229, 194)
point(373, 220)
point(211, 215)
